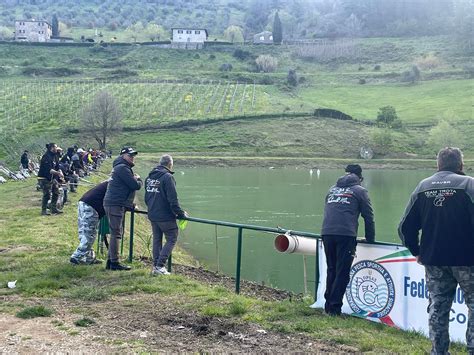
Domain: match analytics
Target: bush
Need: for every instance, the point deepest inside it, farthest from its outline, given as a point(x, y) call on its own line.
point(302, 79)
point(33, 312)
point(212, 57)
point(196, 56)
point(362, 81)
point(266, 80)
point(241, 54)
point(428, 62)
point(411, 76)
point(266, 63)
point(377, 67)
point(226, 67)
point(381, 140)
point(386, 116)
point(444, 135)
point(57, 72)
point(292, 78)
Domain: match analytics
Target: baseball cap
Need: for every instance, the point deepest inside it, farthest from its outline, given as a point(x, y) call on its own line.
point(128, 150)
point(80, 150)
point(354, 169)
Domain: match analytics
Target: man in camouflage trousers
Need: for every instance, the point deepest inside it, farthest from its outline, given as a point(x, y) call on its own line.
point(90, 210)
point(442, 206)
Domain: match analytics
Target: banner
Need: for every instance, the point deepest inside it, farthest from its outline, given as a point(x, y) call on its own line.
point(387, 285)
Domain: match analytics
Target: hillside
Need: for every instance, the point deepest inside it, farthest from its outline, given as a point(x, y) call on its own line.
point(43, 93)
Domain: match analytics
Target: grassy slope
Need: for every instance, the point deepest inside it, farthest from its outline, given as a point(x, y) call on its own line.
point(38, 252)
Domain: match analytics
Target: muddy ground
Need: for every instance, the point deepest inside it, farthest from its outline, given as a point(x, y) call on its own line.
point(149, 323)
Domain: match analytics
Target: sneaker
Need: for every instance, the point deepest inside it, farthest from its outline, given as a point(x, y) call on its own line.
point(118, 267)
point(56, 212)
point(159, 270)
point(74, 261)
point(96, 261)
point(45, 213)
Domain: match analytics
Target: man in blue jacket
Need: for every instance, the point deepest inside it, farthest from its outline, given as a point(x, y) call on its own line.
point(345, 201)
point(119, 197)
point(163, 210)
point(442, 207)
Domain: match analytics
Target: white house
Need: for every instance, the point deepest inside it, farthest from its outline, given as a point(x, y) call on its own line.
point(189, 35)
point(265, 37)
point(32, 31)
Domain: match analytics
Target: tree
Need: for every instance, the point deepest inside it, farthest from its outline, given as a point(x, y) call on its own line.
point(266, 63)
point(63, 29)
point(277, 29)
point(234, 34)
point(386, 116)
point(134, 31)
point(5, 33)
point(55, 26)
point(154, 32)
point(464, 19)
point(102, 118)
point(381, 139)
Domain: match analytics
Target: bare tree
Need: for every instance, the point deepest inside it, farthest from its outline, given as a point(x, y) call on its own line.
point(102, 117)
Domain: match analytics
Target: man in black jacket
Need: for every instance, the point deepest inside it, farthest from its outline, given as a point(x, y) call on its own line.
point(442, 206)
point(25, 160)
point(345, 201)
point(119, 197)
point(90, 210)
point(47, 171)
point(163, 210)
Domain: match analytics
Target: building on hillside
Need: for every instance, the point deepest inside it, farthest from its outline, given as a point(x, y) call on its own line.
point(32, 31)
point(188, 38)
point(265, 37)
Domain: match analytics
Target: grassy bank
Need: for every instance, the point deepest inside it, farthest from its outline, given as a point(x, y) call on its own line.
point(35, 250)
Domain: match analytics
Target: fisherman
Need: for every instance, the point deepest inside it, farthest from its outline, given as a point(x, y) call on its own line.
point(345, 201)
point(163, 210)
point(90, 210)
point(25, 161)
point(119, 198)
point(49, 169)
point(442, 207)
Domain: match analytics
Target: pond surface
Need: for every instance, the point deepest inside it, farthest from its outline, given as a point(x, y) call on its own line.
point(290, 198)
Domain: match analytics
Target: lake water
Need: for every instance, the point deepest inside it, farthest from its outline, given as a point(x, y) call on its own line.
point(290, 198)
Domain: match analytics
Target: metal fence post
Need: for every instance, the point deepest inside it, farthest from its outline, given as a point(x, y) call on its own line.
point(132, 227)
point(239, 261)
point(316, 274)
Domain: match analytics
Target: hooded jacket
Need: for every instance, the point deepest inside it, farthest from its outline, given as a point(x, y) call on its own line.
point(161, 197)
point(48, 162)
point(344, 203)
point(122, 185)
point(442, 206)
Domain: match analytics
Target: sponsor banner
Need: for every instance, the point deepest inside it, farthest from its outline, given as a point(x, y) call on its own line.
point(387, 285)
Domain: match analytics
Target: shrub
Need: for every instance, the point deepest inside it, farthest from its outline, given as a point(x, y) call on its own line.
point(266, 80)
point(241, 54)
point(386, 116)
point(381, 140)
point(302, 79)
point(292, 78)
point(428, 62)
point(266, 63)
point(362, 81)
point(411, 76)
point(212, 57)
point(360, 68)
point(444, 135)
point(377, 67)
point(226, 67)
point(196, 56)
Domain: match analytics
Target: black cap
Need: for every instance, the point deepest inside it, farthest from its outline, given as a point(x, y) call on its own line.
point(354, 169)
point(128, 150)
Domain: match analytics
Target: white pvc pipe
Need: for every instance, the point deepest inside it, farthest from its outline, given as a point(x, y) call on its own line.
point(290, 244)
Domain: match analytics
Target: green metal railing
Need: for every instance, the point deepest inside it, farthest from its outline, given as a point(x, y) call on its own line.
point(240, 228)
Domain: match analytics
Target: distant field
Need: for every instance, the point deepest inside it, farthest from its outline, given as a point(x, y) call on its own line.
point(59, 104)
point(426, 101)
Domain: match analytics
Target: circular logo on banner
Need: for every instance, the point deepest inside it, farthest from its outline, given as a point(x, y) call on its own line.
point(370, 289)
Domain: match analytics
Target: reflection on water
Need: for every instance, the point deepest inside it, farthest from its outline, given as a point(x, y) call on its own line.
point(288, 198)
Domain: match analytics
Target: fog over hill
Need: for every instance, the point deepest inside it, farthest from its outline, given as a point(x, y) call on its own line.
point(300, 18)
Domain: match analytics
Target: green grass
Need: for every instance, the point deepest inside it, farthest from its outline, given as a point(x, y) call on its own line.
point(34, 312)
point(84, 322)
